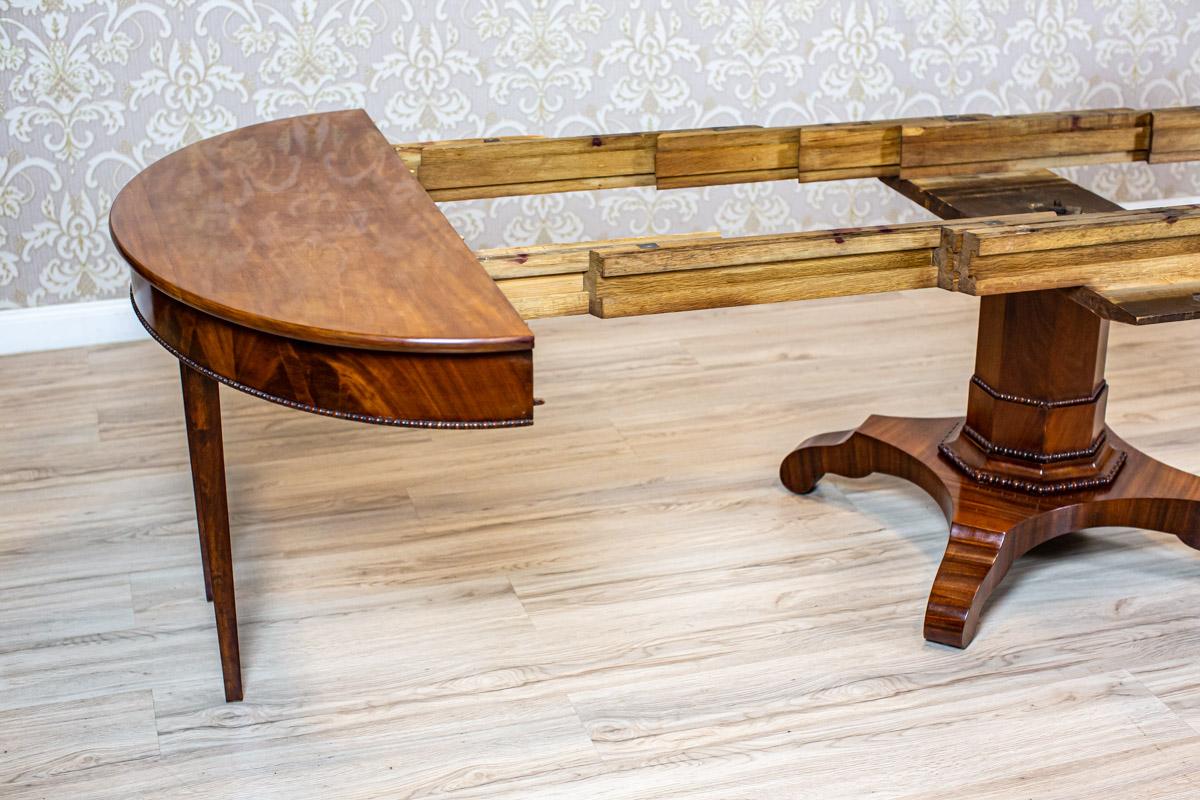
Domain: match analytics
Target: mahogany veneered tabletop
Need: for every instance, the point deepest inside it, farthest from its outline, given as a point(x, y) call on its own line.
point(312, 228)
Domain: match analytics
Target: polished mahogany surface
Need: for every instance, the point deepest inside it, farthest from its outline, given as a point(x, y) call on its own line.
point(312, 228)
point(427, 390)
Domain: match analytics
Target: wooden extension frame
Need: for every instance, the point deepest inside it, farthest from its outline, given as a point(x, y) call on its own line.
point(1112, 254)
point(907, 148)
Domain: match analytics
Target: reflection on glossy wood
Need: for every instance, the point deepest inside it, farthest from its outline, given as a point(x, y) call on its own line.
point(311, 228)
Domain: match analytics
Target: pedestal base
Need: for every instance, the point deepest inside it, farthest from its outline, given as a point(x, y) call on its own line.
point(991, 526)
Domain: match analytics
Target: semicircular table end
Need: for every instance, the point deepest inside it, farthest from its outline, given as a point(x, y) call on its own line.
point(301, 261)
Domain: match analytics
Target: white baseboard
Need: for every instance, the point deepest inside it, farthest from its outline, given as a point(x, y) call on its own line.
point(54, 327)
point(24, 330)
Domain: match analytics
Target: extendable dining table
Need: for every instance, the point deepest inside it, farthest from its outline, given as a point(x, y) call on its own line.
point(306, 261)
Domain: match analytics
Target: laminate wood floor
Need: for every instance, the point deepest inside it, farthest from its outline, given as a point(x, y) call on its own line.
point(619, 602)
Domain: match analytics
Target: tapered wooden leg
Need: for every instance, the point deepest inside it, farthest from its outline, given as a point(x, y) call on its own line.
point(202, 413)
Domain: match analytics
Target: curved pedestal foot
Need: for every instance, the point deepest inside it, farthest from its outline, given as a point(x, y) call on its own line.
point(990, 527)
point(974, 563)
point(905, 448)
point(809, 462)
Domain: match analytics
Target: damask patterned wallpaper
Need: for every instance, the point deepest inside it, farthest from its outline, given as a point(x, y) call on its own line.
point(93, 90)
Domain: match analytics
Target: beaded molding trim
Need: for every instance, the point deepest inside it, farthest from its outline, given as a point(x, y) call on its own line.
point(991, 449)
point(1027, 486)
point(326, 412)
point(1033, 401)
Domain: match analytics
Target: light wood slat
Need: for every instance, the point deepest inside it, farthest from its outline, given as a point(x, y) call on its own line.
point(546, 295)
point(1015, 125)
point(912, 147)
point(741, 286)
point(708, 158)
point(986, 255)
point(810, 153)
point(546, 280)
point(1003, 144)
point(1149, 247)
point(749, 275)
point(853, 150)
point(410, 152)
point(686, 253)
point(839, 151)
point(1023, 165)
point(562, 257)
point(769, 269)
point(537, 161)
point(749, 250)
point(1176, 135)
point(1079, 230)
point(510, 166)
point(993, 140)
point(411, 156)
point(1149, 263)
point(541, 187)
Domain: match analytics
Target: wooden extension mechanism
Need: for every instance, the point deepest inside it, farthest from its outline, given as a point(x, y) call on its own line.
point(911, 148)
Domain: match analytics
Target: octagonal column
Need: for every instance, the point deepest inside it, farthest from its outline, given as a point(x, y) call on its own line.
point(1036, 403)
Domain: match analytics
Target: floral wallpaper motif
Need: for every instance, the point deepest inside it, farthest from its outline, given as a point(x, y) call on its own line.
point(91, 91)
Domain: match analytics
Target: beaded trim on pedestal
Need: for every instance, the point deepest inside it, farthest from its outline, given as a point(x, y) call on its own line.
point(1033, 401)
point(403, 423)
point(1028, 486)
point(991, 449)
